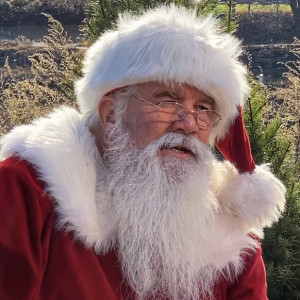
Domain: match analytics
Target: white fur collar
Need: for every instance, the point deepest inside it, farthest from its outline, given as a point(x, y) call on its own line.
point(64, 152)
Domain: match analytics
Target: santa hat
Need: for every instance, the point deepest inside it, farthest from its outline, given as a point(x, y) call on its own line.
point(171, 44)
point(167, 44)
point(235, 147)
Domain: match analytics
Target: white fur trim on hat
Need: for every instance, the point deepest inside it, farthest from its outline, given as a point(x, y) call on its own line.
point(167, 44)
point(257, 198)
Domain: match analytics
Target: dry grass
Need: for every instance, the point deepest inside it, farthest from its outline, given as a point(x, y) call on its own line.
point(288, 98)
point(49, 84)
point(257, 8)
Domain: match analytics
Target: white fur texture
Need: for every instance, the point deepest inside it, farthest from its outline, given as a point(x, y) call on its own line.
point(258, 197)
point(166, 44)
point(64, 153)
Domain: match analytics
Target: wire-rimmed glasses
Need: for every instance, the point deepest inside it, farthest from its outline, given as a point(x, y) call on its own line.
point(174, 111)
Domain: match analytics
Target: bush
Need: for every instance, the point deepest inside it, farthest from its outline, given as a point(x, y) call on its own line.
point(272, 141)
point(50, 84)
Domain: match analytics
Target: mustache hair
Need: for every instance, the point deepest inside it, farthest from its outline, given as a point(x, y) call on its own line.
point(117, 138)
point(172, 139)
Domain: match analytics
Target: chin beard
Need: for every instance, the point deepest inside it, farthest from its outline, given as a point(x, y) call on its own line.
point(163, 209)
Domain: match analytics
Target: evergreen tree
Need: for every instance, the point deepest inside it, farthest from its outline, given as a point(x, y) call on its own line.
point(102, 14)
point(271, 143)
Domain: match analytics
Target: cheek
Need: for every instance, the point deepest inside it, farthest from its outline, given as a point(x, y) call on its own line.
point(147, 131)
point(203, 136)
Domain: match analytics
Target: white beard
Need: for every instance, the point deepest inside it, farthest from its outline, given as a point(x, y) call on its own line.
point(163, 211)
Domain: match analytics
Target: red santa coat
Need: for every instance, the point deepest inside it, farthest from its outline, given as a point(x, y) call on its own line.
point(41, 262)
point(45, 254)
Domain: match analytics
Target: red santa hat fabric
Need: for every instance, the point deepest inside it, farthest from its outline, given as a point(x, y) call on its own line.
point(235, 147)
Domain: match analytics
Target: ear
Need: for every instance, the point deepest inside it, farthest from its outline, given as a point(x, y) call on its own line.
point(106, 110)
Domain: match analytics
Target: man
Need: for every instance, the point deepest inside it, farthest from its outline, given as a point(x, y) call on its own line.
point(125, 200)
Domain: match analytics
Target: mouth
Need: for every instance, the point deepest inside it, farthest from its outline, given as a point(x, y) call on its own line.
point(177, 151)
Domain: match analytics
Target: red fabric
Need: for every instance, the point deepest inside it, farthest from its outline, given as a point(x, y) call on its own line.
point(251, 283)
point(235, 147)
point(39, 262)
point(115, 90)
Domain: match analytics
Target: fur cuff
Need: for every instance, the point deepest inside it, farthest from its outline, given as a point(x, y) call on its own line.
point(257, 198)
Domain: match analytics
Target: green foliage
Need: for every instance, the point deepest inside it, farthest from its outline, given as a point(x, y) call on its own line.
point(227, 15)
point(282, 253)
point(207, 7)
point(102, 14)
point(53, 71)
point(271, 142)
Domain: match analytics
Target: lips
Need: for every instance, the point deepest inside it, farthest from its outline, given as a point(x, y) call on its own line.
point(178, 149)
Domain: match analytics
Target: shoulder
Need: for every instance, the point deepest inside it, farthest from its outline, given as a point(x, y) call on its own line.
point(20, 186)
point(19, 169)
point(17, 166)
point(26, 226)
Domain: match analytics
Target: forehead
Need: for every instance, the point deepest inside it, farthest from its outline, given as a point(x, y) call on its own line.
point(152, 89)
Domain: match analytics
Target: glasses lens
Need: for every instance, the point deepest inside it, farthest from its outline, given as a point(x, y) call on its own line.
point(170, 111)
point(214, 118)
point(206, 119)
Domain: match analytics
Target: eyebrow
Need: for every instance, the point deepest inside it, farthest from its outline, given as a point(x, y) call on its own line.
point(176, 96)
point(207, 100)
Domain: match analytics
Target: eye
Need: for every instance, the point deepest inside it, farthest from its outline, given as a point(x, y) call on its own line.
point(203, 107)
point(167, 99)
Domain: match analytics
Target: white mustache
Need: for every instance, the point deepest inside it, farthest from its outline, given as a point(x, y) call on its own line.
point(172, 139)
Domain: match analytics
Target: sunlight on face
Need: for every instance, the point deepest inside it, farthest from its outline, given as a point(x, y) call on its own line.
point(143, 121)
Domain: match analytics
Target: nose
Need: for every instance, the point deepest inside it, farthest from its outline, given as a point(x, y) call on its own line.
point(187, 124)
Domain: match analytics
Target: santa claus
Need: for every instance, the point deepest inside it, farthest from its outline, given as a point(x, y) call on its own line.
point(125, 199)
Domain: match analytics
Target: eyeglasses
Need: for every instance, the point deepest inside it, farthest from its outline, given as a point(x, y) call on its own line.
point(174, 111)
